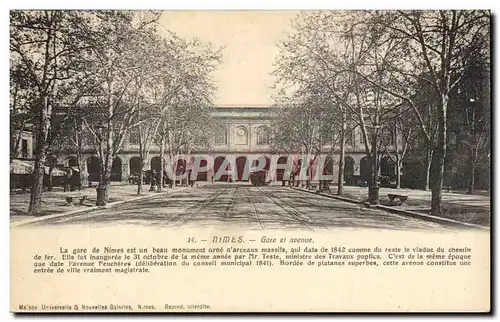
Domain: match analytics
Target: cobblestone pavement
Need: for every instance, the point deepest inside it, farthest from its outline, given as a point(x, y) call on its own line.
point(244, 206)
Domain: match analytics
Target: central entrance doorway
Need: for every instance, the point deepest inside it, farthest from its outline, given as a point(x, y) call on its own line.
point(242, 169)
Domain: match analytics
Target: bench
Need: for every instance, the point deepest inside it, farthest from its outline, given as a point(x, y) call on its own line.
point(326, 188)
point(401, 198)
point(69, 200)
point(82, 199)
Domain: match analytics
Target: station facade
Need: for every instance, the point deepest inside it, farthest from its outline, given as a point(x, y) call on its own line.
point(245, 131)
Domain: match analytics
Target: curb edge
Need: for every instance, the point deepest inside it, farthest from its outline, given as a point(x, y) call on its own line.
point(403, 212)
point(89, 209)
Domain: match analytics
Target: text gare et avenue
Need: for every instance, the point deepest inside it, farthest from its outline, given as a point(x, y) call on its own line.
point(263, 239)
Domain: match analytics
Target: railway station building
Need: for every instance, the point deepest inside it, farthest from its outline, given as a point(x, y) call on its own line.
point(245, 132)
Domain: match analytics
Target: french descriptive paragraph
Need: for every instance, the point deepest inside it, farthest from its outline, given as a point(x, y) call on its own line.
point(237, 252)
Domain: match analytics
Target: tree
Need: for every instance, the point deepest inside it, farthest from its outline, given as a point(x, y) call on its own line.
point(435, 41)
point(306, 64)
point(79, 138)
point(21, 100)
point(187, 100)
point(47, 45)
point(399, 140)
point(117, 63)
point(304, 125)
point(150, 93)
point(470, 111)
point(74, 67)
point(323, 55)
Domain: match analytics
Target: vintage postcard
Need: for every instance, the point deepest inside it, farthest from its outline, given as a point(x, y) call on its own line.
point(250, 161)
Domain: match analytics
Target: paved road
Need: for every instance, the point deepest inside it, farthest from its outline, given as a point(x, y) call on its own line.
point(244, 206)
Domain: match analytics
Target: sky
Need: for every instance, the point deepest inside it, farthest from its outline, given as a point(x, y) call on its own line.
point(249, 39)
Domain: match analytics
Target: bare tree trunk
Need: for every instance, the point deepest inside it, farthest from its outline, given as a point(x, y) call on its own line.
point(374, 161)
point(79, 157)
point(45, 114)
point(141, 177)
point(174, 170)
point(428, 163)
point(37, 188)
point(340, 188)
point(440, 154)
point(398, 171)
point(141, 157)
point(80, 171)
point(106, 164)
point(40, 158)
point(51, 168)
point(106, 176)
point(162, 162)
point(472, 178)
point(398, 158)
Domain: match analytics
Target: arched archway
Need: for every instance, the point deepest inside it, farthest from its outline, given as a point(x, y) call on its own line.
point(242, 169)
point(156, 164)
point(202, 175)
point(134, 165)
point(328, 166)
point(297, 166)
point(262, 135)
point(217, 164)
point(94, 168)
point(349, 170)
point(180, 166)
point(116, 169)
point(280, 172)
point(268, 164)
point(348, 167)
point(365, 170)
point(387, 167)
point(72, 161)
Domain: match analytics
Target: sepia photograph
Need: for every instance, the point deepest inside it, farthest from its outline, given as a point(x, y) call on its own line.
point(250, 161)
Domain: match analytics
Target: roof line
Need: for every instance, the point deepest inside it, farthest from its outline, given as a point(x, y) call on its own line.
point(243, 106)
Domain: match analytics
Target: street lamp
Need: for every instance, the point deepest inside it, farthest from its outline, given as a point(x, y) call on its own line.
point(373, 190)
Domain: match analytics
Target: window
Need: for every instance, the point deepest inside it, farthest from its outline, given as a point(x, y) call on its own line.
point(221, 136)
point(393, 136)
point(262, 136)
point(134, 138)
point(24, 148)
point(241, 136)
point(452, 138)
point(349, 137)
